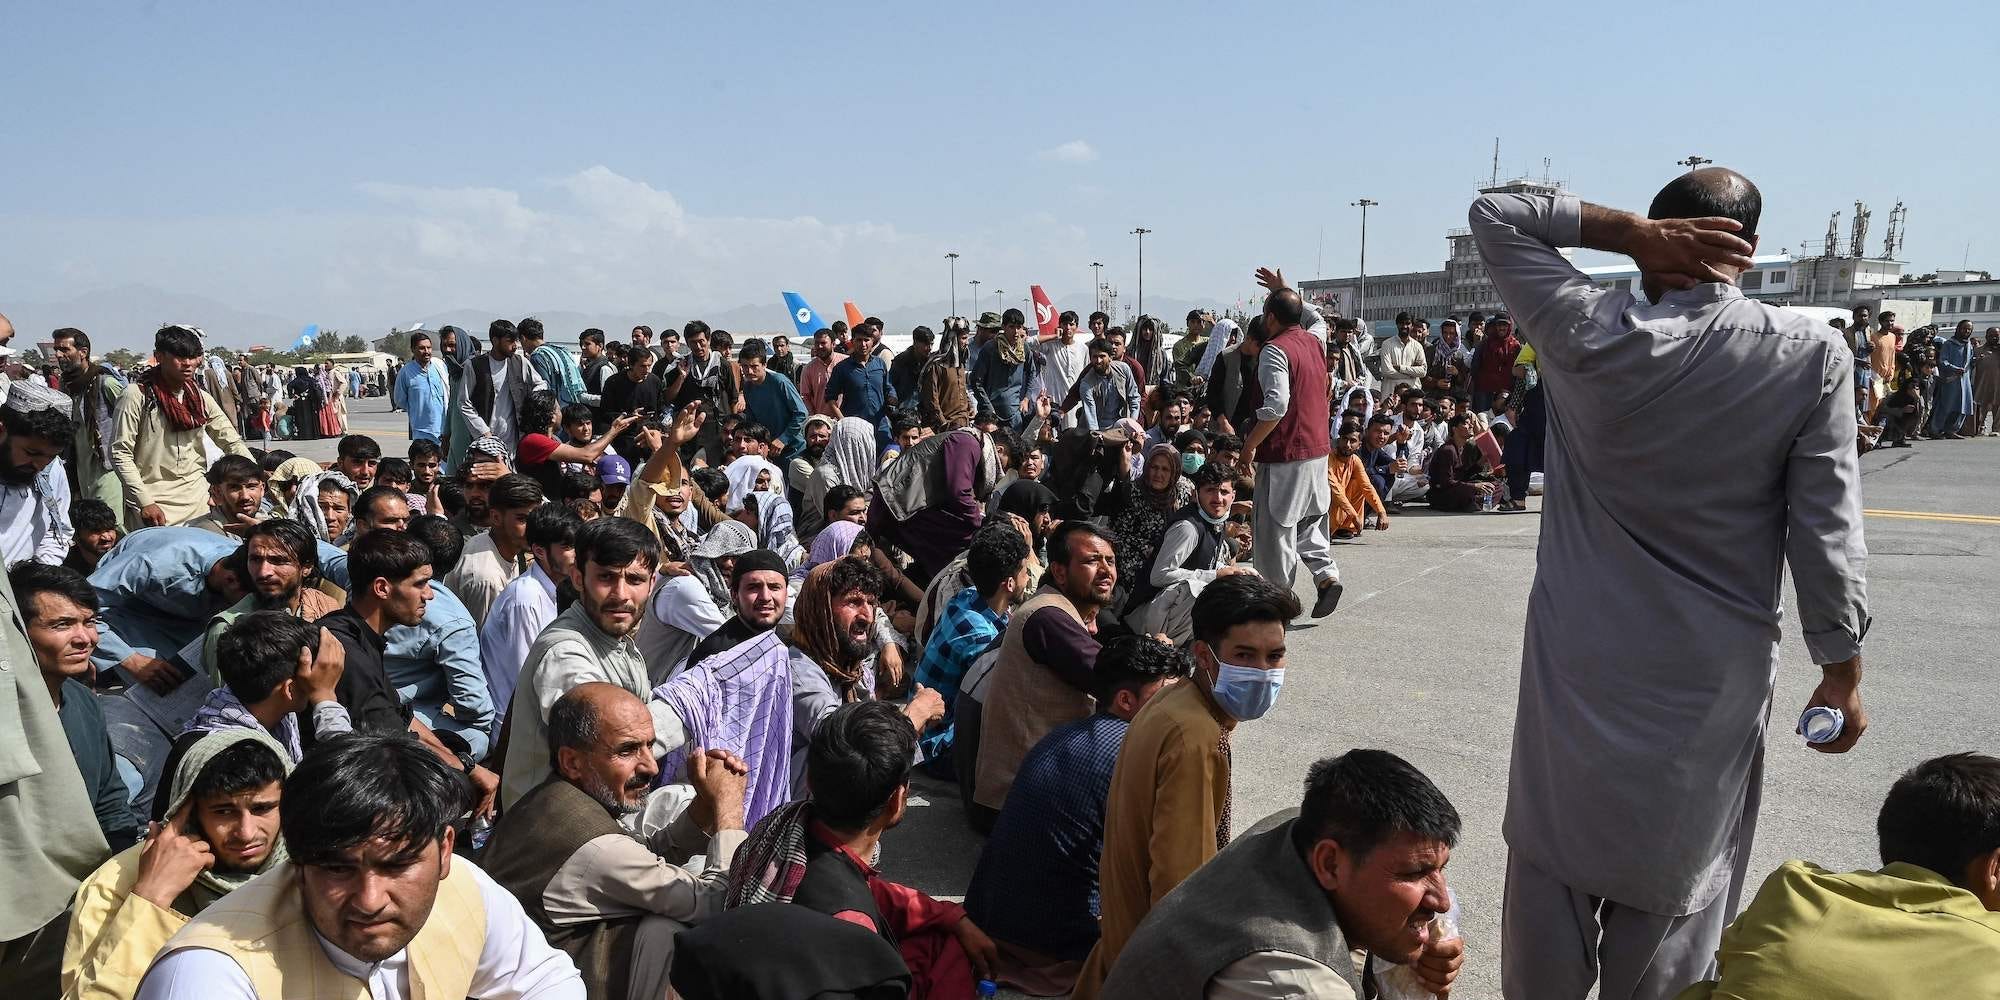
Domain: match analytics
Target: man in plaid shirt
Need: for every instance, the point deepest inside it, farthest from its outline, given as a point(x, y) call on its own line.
point(972, 622)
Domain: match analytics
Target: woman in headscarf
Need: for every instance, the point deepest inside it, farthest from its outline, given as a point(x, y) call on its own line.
point(849, 460)
point(838, 539)
point(125, 912)
point(325, 503)
point(306, 402)
point(285, 481)
point(1140, 509)
point(333, 414)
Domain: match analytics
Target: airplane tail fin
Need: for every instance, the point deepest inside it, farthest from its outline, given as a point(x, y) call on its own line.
point(1045, 312)
point(803, 318)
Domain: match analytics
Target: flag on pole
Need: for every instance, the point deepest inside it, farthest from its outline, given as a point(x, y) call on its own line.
point(1045, 312)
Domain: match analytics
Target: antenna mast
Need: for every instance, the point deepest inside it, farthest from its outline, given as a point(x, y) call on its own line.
point(1832, 247)
point(1861, 214)
point(1893, 243)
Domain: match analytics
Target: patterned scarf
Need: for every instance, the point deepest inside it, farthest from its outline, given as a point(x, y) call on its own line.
point(184, 412)
point(223, 710)
point(772, 861)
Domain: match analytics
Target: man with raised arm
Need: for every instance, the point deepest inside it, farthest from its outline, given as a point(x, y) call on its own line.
point(1650, 662)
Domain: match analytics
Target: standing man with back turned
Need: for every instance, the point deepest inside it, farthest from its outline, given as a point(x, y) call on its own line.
point(1651, 654)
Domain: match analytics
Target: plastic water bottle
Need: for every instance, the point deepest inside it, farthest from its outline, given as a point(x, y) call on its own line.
point(1399, 982)
point(1487, 503)
point(1821, 724)
point(987, 988)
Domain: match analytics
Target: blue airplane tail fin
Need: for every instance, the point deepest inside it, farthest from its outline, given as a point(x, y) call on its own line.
point(803, 317)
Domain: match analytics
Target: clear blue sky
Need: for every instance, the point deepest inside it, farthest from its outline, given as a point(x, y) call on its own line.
point(362, 162)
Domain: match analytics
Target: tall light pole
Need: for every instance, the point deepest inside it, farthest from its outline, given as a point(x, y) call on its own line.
point(1141, 233)
point(975, 295)
point(1096, 286)
point(1693, 162)
point(1000, 299)
point(1361, 294)
point(952, 258)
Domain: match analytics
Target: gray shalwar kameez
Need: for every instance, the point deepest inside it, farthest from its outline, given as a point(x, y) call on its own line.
point(1695, 447)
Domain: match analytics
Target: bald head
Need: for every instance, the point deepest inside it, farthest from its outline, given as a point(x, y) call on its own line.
point(581, 715)
point(601, 741)
point(1285, 308)
point(1708, 192)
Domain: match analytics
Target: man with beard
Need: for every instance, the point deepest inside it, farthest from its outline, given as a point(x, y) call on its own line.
point(1004, 377)
point(591, 641)
point(423, 388)
point(370, 900)
point(236, 489)
point(1107, 389)
point(1043, 677)
point(704, 377)
point(813, 376)
point(156, 449)
point(908, 365)
point(613, 902)
point(493, 558)
point(757, 590)
point(220, 831)
point(799, 471)
point(93, 390)
point(528, 603)
point(280, 565)
point(782, 360)
point(1001, 568)
point(34, 491)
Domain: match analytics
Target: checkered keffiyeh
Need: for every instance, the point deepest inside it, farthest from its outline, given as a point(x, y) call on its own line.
point(772, 861)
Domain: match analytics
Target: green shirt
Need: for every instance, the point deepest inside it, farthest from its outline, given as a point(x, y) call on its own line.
point(1812, 934)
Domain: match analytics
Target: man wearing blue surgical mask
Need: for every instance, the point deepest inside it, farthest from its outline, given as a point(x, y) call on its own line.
point(1168, 809)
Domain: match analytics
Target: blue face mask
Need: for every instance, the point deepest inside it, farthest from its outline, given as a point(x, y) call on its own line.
point(1246, 692)
point(1192, 462)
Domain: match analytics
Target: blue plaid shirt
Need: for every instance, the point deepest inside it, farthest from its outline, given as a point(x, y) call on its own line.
point(966, 628)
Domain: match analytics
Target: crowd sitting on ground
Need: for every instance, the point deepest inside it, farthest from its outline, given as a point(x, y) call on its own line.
point(613, 684)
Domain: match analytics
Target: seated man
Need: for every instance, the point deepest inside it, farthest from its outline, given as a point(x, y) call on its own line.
point(971, 624)
point(275, 669)
point(529, 603)
point(1926, 925)
point(97, 532)
point(280, 564)
point(374, 811)
point(236, 486)
point(758, 591)
point(493, 558)
point(60, 611)
point(1168, 808)
point(357, 457)
point(1280, 912)
point(390, 573)
point(1043, 677)
point(221, 831)
point(610, 900)
point(616, 558)
point(686, 609)
point(1193, 554)
point(1378, 459)
point(1354, 496)
point(35, 428)
point(1035, 890)
point(814, 851)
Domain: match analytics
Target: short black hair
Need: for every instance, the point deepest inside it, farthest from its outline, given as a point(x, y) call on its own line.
point(1013, 317)
point(576, 413)
point(501, 329)
point(1241, 600)
point(424, 448)
point(514, 491)
point(1063, 538)
point(694, 326)
point(260, 651)
point(1711, 191)
point(575, 483)
point(553, 524)
point(1226, 442)
point(853, 573)
point(838, 497)
point(51, 424)
point(31, 578)
point(1942, 814)
point(270, 460)
point(359, 446)
point(177, 341)
point(297, 539)
point(245, 766)
point(711, 482)
point(395, 470)
point(81, 338)
point(419, 337)
point(1067, 318)
point(1095, 316)
point(753, 430)
point(858, 758)
point(384, 555)
point(89, 516)
point(368, 786)
point(231, 469)
point(923, 336)
point(996, 554)
point(904, 422)
point(753, 347)
point(1363, 797)
point(616, 541)
point(445, 542)
point(1131, 662)
point(1285, 307)
point(365, 506)
point(1101, 345)
point(531, 329)
point(1213, 474)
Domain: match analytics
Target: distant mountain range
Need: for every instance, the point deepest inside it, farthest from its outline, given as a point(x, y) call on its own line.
point(127, 315)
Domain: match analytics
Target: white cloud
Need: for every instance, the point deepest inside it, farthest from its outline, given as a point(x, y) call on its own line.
point(1073, 151)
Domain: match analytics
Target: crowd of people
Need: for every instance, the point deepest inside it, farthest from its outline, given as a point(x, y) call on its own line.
point(612, 684)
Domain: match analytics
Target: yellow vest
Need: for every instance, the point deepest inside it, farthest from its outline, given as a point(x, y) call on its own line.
point(263, 928)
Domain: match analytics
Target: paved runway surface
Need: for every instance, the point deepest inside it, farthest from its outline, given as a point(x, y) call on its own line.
point(1423, 658)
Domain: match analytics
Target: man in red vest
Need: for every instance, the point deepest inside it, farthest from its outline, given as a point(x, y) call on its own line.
point(1289, 444)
